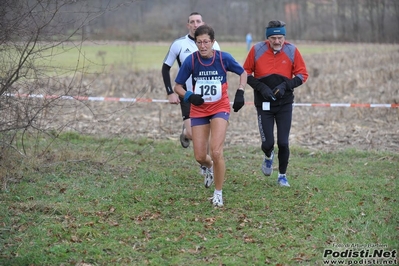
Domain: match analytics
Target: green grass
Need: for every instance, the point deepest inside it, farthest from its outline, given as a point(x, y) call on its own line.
point(105, 57)
point(148, 206)
point(108, 57)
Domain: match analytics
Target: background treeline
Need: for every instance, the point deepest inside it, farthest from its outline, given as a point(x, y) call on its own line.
point(375, 21)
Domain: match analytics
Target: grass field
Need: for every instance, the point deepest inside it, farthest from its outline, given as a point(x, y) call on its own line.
point(148, 206)
point(77, 199)
point(107, 56)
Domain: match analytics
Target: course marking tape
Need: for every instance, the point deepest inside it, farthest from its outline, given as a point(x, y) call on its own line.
point(148, 100)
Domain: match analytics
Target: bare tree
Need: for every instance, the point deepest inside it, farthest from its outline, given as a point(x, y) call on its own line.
point(354, 6)
point(32, 32)
point(381, 19)
point(395, 5)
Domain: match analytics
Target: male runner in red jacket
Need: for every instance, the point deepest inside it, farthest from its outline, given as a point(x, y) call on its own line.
point(275, 67)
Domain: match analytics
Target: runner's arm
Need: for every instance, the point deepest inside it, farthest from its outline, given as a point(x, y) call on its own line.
point(166, 78)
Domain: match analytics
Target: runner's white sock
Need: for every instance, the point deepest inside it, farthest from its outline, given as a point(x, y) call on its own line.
point(218, 192)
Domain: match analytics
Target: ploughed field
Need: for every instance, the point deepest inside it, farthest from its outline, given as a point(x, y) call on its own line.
point(366, 75)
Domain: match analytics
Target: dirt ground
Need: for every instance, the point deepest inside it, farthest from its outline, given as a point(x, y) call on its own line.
point(364, 75)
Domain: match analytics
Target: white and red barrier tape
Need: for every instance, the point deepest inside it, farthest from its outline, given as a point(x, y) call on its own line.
point(148, 100)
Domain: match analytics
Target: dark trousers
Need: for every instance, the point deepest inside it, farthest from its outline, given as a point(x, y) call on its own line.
point(282, 115)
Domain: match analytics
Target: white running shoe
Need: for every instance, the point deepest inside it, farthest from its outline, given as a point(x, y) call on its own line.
point(202, 170)
point(208, 176)
point(217, 200)
point(184, 141)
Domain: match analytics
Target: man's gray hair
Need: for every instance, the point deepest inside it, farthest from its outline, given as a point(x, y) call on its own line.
point(275, 24)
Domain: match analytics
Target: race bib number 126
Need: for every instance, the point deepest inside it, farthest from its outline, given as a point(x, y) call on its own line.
point(210, 89)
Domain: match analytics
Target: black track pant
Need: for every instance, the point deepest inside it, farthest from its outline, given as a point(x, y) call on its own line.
point(282, 114)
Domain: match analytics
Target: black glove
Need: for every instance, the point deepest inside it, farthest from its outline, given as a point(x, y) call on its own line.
point(279, 90)
point(267, 93)
point(238, 100)
point(293, 83)
point(196, 99)
point(261, 87)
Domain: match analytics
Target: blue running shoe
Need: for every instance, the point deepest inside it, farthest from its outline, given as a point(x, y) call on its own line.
point(267, 165)
point(282, 180)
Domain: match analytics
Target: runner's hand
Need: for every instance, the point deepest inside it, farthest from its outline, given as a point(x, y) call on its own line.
point(279, 90)
point(238, 100)
point(267, 92)
point(173, 98)
point(260, 87)
point(195, 99)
